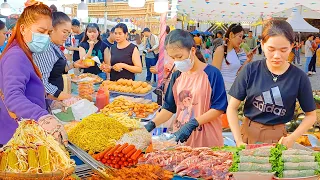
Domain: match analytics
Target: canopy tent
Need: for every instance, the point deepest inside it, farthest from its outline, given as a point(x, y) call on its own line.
point(304, 11)
point(196, 32)
point(299, 24)
point(239, 11)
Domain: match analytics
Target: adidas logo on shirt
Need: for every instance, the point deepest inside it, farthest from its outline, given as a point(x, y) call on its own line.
point(270, 102)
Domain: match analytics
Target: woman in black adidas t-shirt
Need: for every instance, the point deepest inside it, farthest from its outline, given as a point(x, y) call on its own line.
point(270, 88)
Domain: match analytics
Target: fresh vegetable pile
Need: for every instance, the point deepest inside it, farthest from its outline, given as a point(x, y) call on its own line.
point(291, 163)
point(141, 138)
point(97, 132)
point(31, 150)
point(197, 163)
point(295, 163)
point(120, 156)
point(253, 159)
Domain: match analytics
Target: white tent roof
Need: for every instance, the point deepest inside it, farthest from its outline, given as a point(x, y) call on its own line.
point(303, 10)
point(299, 24)
point(240, 10)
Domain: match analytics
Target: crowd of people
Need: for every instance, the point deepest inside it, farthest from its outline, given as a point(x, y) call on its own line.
point(198, 92)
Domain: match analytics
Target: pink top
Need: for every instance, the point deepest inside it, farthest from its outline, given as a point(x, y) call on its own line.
point(193, 95)
point(207, 51)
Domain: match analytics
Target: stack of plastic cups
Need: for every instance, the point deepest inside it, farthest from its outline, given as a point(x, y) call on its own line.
point(86, 90)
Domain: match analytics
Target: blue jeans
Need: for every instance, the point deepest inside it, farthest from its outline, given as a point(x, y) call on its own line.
point(103, 75)
point(308, 59)
point(150, 62)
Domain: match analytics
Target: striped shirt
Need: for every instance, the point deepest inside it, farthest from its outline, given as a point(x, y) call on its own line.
point(45, 62)
point(242, 56)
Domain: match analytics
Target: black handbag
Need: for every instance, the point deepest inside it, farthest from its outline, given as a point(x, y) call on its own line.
point(160, 90)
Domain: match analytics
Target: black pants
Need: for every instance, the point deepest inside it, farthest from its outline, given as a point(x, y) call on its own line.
point(312, 64)
point(260, 50)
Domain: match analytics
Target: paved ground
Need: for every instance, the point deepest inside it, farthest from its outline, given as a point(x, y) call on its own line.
point(314, 79)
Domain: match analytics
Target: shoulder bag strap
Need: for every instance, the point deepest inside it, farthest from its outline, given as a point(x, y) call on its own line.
point(170, 72)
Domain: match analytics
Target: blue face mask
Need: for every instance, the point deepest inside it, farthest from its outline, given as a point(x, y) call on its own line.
point(184, 65)
point(39, 43)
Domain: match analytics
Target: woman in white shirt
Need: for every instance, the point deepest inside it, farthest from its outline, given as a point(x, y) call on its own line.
point(226, 58)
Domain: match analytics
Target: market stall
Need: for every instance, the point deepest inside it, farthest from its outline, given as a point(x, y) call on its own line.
point(108, 141)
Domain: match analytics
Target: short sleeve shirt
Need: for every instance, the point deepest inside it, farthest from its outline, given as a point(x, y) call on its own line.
point(269, 102)
point(307, 49)
point(197, 40)
point(192, 95)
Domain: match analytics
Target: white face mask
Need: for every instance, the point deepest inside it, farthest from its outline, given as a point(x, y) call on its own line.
point(184, 65)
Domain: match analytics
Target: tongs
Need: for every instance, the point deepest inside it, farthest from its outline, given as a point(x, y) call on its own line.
point(96, 166)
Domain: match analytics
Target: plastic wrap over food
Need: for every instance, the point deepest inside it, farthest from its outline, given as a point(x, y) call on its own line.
point(262, 152)
point(254, 159)
point(164, 141)
point(297, 158)
point(301, 166)
point(297, 152)
point(298, 173)
point(254, 167)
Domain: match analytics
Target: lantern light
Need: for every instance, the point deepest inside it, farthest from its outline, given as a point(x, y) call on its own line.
point(161, 6)
point(5, 9)
point(82, 11)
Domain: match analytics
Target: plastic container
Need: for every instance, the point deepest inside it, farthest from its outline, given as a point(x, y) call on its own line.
point(301, 178)
point(101, 99)
point(252, 176)
point(86, 90)
point(83, 108)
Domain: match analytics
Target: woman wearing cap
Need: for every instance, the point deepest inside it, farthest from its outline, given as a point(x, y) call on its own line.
point(123, 60)
point(91, 46)
point(271, 88)
point(52, 63)
point(22, 94)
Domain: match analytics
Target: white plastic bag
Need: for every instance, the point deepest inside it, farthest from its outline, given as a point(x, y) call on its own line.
point(83, 108)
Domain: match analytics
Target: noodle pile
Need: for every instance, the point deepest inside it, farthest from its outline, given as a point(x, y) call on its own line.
point(96, 133)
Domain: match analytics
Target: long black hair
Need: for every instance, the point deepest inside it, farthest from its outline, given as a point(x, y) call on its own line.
point(234, 28)
point(59, 18)
point(123, 27)
point(183, 39)
point(91, 26)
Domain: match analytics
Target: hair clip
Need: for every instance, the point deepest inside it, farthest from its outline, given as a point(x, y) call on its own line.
point(31, 3)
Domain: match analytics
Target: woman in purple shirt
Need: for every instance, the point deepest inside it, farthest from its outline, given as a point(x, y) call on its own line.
point(22, 94)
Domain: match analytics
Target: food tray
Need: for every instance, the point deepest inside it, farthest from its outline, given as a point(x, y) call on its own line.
point(31, 176)
point(148, 118)
point(252, 176)
point(133, 94)
point(77, 81)
point(302, 178)
point(176, 177)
